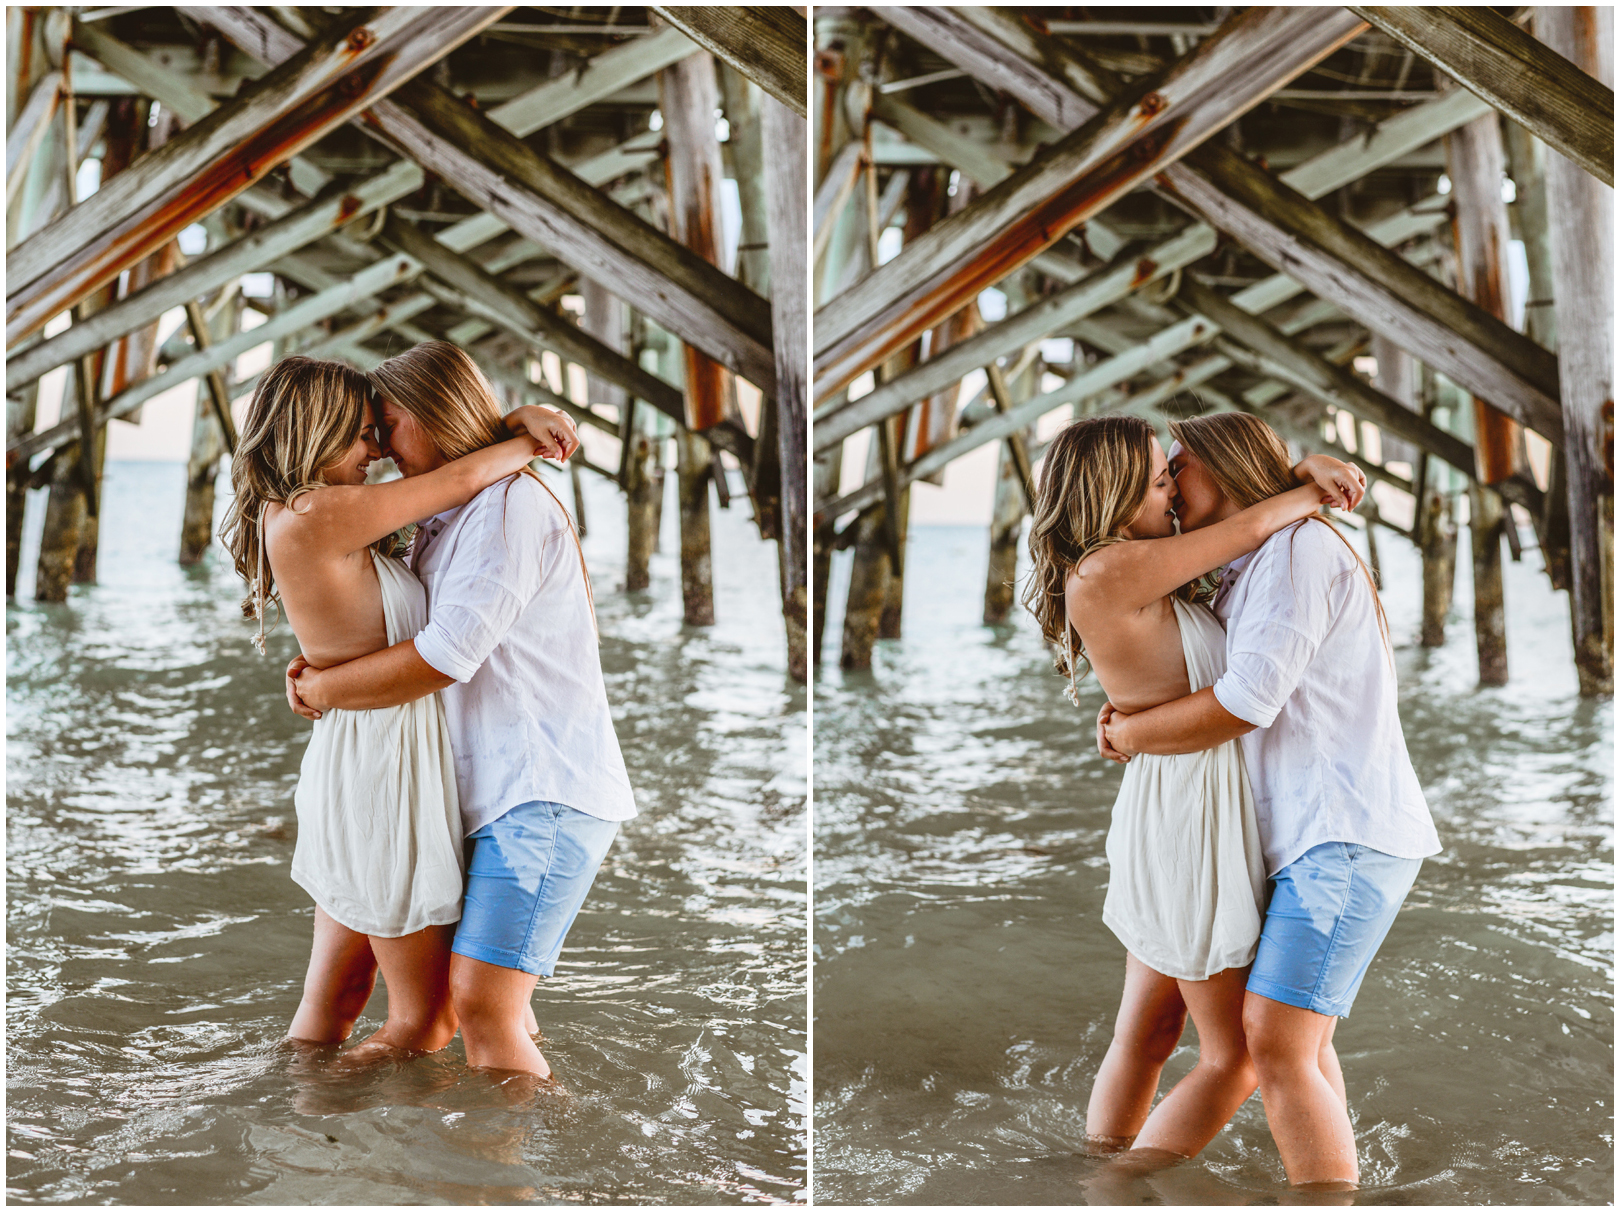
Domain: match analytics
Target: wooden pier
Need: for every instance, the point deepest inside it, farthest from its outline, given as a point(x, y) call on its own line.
point(545, 191)
point(1306, 213)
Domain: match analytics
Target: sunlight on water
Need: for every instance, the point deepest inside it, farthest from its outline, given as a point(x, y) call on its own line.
point(157, 944)
point(966, 988)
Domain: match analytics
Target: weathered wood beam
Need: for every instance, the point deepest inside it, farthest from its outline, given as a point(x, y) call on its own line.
point(306, 312)
point(1379, 290)
point(27, 133)
point(1512, 71)
point(1373, 286)
point(1264, 349)
point(783, 137)
point(832, 193)
point(482, 294)
point(1148, 128)
point(1100, 289)
point(1581, 254)
point(767, 43)
point(337, 76)
point(1121, 367)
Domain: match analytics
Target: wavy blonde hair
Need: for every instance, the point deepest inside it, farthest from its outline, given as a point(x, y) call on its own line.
point(304, 416)
point(442, 388)
point(1248, 461)
point(1095, 476)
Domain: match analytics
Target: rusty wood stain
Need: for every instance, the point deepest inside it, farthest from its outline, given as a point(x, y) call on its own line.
point(1144, 271)
point(1016, 245)
point(222, 180)
point(347, 207)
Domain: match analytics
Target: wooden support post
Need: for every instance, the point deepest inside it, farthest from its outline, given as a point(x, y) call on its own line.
point(1010, 501)
point(870, 584)
point(1488, 585)
point(644, 467)
point(825, 484)
point(784, 138)
point(1581, 255)
point(689, 101)
point(20, 413)
point(209, 443)
point(1439, 542)
point(580, 498)
point(65, 513)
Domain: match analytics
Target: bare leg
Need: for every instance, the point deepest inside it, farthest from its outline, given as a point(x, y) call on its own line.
point(1307, 1111)
point(1203, 1101)
point(1330, 1063)
point(416, 970)
point(1148, 1026)
point(490, 1003)
point(337, 983)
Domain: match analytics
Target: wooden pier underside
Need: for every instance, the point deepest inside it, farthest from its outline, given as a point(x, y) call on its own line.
point(399, 174)
point(1225, 209)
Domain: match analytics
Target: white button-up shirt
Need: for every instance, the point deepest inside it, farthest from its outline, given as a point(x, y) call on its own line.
point(510, 621)
point(1306, 664)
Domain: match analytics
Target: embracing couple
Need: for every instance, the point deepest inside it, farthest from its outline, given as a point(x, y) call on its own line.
point(1269, 822)
point(463, 780)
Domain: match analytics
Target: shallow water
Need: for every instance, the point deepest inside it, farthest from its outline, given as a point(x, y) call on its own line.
point(157, 944)
point(965, 987)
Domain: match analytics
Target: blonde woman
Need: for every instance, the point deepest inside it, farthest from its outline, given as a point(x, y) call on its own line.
point(1310, 692)
point(1114, 585)
point(511, 641)
point(379, 845)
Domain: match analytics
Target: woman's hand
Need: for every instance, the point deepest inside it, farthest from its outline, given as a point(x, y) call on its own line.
point(1106, 714)
point(1113, 729)
point(1342, 484)
point(294, 669)
point(552, 430)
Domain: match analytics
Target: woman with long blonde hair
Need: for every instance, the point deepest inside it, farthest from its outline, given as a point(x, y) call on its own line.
point(1309, 694)
point(511, 644)
point(379, 845)
point(1115, 586)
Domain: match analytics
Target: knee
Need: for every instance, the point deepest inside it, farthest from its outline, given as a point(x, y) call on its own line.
point(1270, 1054)
point(344, 996)
point(1153, 1039)
point(474, 1005)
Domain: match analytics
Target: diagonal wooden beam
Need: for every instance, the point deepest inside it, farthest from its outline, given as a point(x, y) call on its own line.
point(26, 133)
point(1377, 288)
point(536, 196)
point(1148, 128)
point(522, 115)
point(766, 43)
point(337, 76)
point(301, 315)
point(1512, 71)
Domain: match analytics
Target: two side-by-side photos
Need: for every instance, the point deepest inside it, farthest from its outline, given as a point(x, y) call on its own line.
point(809, 605)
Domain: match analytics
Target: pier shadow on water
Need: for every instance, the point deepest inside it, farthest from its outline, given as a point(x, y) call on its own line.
point(966, 987)
point(157, 945)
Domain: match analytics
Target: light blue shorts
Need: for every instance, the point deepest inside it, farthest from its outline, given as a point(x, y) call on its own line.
point(1328, 912)
point(528, 874)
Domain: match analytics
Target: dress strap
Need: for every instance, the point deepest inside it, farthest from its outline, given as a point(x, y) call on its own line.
point(1071, 693)
point(259, 581)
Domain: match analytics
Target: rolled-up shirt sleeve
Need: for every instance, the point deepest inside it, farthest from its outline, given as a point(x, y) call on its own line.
point(1296, 586)
point(492, 576)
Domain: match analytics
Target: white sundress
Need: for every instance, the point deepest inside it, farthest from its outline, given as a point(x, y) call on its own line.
point(1187, 873)
point(380, 829)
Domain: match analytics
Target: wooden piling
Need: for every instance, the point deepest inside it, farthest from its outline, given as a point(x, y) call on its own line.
point(1482, 241)
point(1488, 585)
point(1009, 503)
point(1439, 542)
point(870, 580)
point(693, 456)
point(65, 512)
point(1581, 258)
point(21, 411)
point(208, 445)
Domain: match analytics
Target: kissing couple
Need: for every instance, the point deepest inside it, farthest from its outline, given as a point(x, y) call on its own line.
point(463, 781)
point(1269, 822)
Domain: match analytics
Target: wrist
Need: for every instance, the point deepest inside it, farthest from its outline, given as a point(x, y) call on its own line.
point(312, 687)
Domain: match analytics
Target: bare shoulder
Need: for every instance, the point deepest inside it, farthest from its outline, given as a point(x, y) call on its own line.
point(1097, 576)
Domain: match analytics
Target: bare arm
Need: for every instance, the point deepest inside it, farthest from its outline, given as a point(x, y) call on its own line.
point(552, 430)
point(347, 518)
point(393, 676)
point(1196, 722)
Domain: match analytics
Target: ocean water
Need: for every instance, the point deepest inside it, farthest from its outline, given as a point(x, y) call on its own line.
point(156, 945)
point(965, 987)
